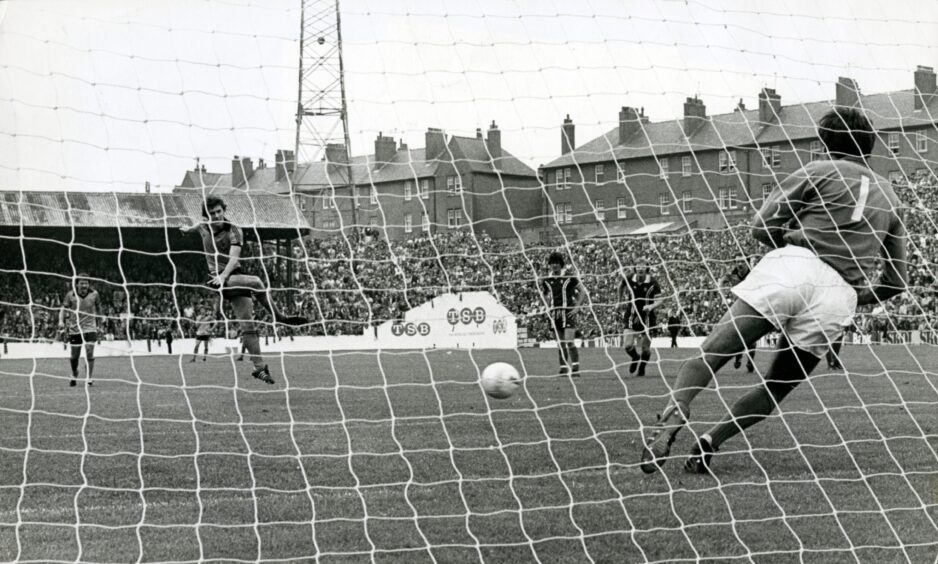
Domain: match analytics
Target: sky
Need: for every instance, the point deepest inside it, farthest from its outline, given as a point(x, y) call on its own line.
point(110, 94)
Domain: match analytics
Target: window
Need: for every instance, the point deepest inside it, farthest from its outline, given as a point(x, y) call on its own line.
point(600, 209)
point(330, 224)
point(921, 142)
point(425, 221)
point(817, 152)
point(564, 213)
point(408, 223)
point(620, 208)
point(893, 142)
point(896, 177)
point(733, 200)
point(686, 202)
point(620, 174)
point(373, 222)
point(723, 199)
point(325, 201)
point(408, 190)
point(425, 188)
point(374, 194)
point(600, 171)
point(303, 204)
point(663, 203)
point(567, 176)
point(664, 168)
point(454, 184)
point(766, 190)
point(771, 157)
point(453, 217)
point(727, 161)
point(685, 166)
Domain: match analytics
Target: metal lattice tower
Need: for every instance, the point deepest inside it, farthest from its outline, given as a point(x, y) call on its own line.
point(322, 112)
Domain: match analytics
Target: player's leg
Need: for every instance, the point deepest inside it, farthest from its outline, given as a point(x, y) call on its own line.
point(790, 367)
point(75, 356)
point(244, 284)
point(751, 359)
point(244, 314)
point(644, 351)
point(557, 325)
point(628, 341)
point(572, 353)
point(738, 361)
point(89, 357)
point(739, 328)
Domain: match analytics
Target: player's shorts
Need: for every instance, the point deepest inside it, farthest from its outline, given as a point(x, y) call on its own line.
point(801, 295)
point(642, 323)
point(83, 338)
point(564, 320)
point(202, 337)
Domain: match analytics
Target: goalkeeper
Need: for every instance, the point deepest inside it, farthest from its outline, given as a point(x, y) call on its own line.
point(828, 225)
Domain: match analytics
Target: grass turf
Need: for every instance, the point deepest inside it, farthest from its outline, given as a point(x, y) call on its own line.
point(400, 457)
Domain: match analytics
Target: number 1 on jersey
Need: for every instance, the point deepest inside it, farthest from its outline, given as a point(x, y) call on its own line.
point(861, 199)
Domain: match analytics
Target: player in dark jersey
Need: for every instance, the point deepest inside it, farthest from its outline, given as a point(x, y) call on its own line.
point(80, 310)
point(564, 296)
point(222, 244)
point(639, 292)
point(734, 277)
point(829, 224)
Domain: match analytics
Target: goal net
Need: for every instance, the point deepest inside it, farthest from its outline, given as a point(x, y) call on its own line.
point(413, 236)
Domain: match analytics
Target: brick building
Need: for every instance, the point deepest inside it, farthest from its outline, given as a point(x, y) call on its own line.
point(711, 171)
point(451, 182)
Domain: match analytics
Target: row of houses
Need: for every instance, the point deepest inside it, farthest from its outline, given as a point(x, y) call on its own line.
point(641, 176)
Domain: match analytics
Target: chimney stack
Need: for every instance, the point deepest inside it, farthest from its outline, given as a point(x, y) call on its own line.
point(925, 88)
point(567, 136)
point(289, 161)
point(435, 143)
point(494, 141)
point(770, 105)
point(478, 133)
point(280, 171)
point(630, 121)
point(241, 171)
point(847, 92)
point(695, 114)
point(336, 153)
point(385, 148)
point(740, 106)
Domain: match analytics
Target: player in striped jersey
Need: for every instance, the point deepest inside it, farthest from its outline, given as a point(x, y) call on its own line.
point(564, 296)
point(222, 243)
point(79, 313)
point(639, 291)
point(829, 225)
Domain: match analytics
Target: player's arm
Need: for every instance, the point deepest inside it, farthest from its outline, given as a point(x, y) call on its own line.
point(580, 296)
point(656, 296)
point(192, 226)
point(62, 312)
point(895, 277)
point(234, 255)
point(772, 221)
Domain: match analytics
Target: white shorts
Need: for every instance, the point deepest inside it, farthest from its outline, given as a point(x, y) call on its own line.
point(802, 296)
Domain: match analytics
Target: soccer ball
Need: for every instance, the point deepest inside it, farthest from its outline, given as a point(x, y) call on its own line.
point(500, 380)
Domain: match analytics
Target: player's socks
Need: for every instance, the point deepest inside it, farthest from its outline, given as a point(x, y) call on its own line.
point(253, 344)
point(635, 357)
point(750, 363)
point(574, 361)
point(738, 361)
point(646, 355)
point(74, 363)
point(90, 369)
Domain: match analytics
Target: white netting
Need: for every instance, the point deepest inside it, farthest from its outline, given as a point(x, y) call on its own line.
point(484, 136)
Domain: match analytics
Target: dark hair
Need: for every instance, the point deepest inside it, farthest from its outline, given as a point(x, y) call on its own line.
point(212, 202)
point(555, 258)
point(82, 276)
point(846, 132)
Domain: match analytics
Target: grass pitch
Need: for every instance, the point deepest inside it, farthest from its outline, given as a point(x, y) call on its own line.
point(400, 457)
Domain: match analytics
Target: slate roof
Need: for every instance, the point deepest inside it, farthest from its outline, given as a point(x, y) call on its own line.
point(889, 110)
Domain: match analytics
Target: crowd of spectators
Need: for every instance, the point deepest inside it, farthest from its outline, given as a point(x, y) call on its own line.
point(346, 285)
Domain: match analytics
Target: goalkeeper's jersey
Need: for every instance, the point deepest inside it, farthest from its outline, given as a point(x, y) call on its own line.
point(841, 210)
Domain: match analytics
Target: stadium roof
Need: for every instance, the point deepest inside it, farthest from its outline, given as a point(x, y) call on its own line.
point(405, 164)
point(126, 210)
point(889, 110)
